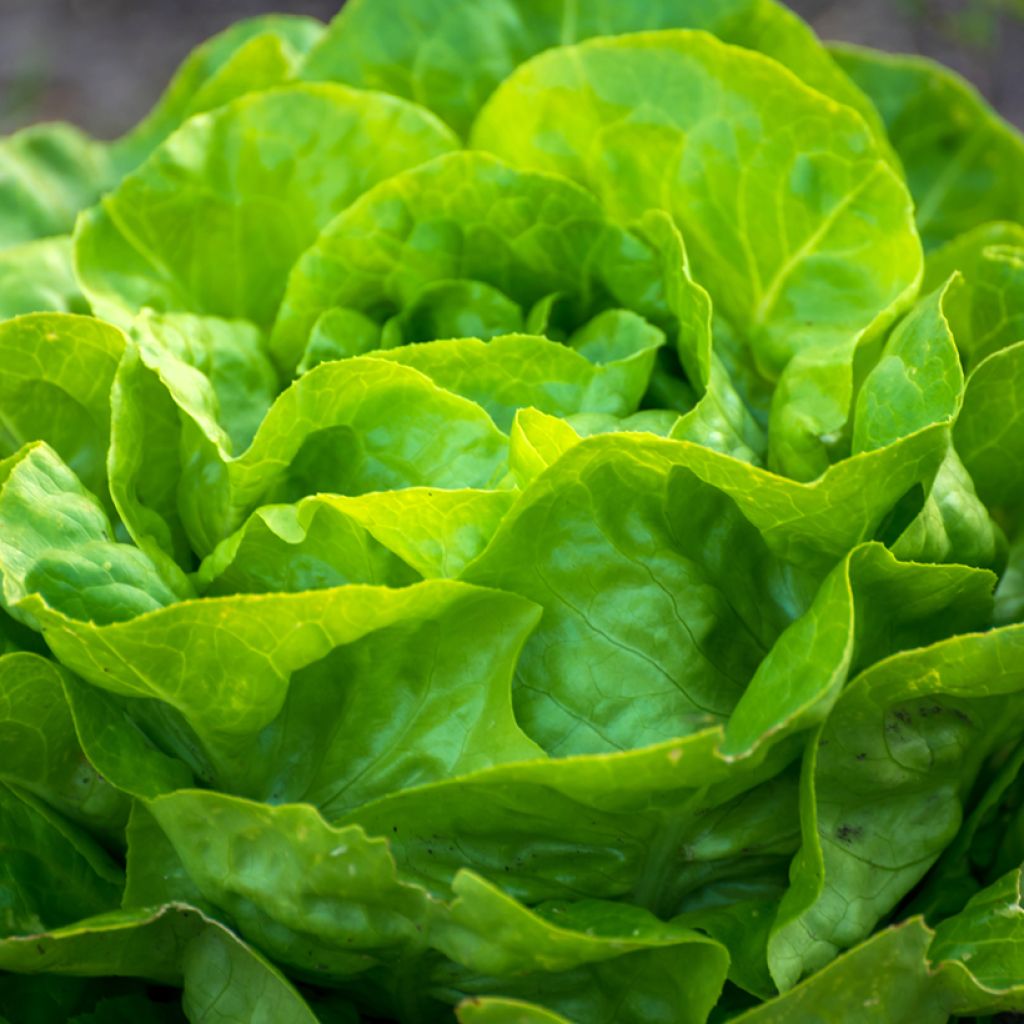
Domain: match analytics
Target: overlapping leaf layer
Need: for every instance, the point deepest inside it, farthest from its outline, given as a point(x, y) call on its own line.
point(513, 511)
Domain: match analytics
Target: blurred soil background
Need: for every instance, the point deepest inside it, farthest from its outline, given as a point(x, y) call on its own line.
point(102, 63)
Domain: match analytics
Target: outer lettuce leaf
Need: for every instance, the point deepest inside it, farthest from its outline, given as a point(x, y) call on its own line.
point(410, 48)
point(918, 381)
point(660, 827)
point(52, 873)
point(56, 372)
point(794, 219)
point(330, 902)
point(661, 597)
point(277, 658)
point(589, 960)
point(223, 978)
point(36, 277)
point(48, 172)
point(165, 238)
point(42, 751)
point(249, 56)
point(982, 949)
point(964, 164)
point(884, 786)
point(886, 978)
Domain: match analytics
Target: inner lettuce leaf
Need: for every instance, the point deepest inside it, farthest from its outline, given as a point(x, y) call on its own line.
point(772, 187)
point(469, 217)
point(512, 513)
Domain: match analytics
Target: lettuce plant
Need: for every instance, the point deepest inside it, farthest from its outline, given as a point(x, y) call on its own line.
point(511, 512)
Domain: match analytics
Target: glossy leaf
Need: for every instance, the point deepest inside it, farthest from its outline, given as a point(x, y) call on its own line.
point(163, 238)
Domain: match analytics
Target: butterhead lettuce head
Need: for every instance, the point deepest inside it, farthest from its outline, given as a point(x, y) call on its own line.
point(511, 511)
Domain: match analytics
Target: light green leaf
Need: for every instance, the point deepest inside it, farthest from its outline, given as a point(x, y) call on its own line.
point(964, 163)
point(324, 900)
point(387, 537)
point(411, 48)
point(249, 56)
point(917, 381)
point(231, 672)
point(68, 556)
point(981, 949)
point(123, 738)
point(212, 222)
point(348, 427)
point(36, 277)
point(56, 372)
point(644, 636)
point(229, 354)
point(886, 978)
point(515, 371)
point(990, 431)
point(793, 217)
point(467, 217)
point(48, 172)
point(224, 980)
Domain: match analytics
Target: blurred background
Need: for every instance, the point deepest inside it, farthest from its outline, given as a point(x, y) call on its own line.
point(102, 63)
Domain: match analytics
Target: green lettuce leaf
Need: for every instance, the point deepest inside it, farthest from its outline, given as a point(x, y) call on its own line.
point(962, 161)
point(223, 978)
point(43, 753)
point(364, 45)
point(884, 785)
point(250, 56)
point(770, 226)
point(37, 277)
point(164, 238)
point(468, 218)
point(48, 173)
point(56, 372)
